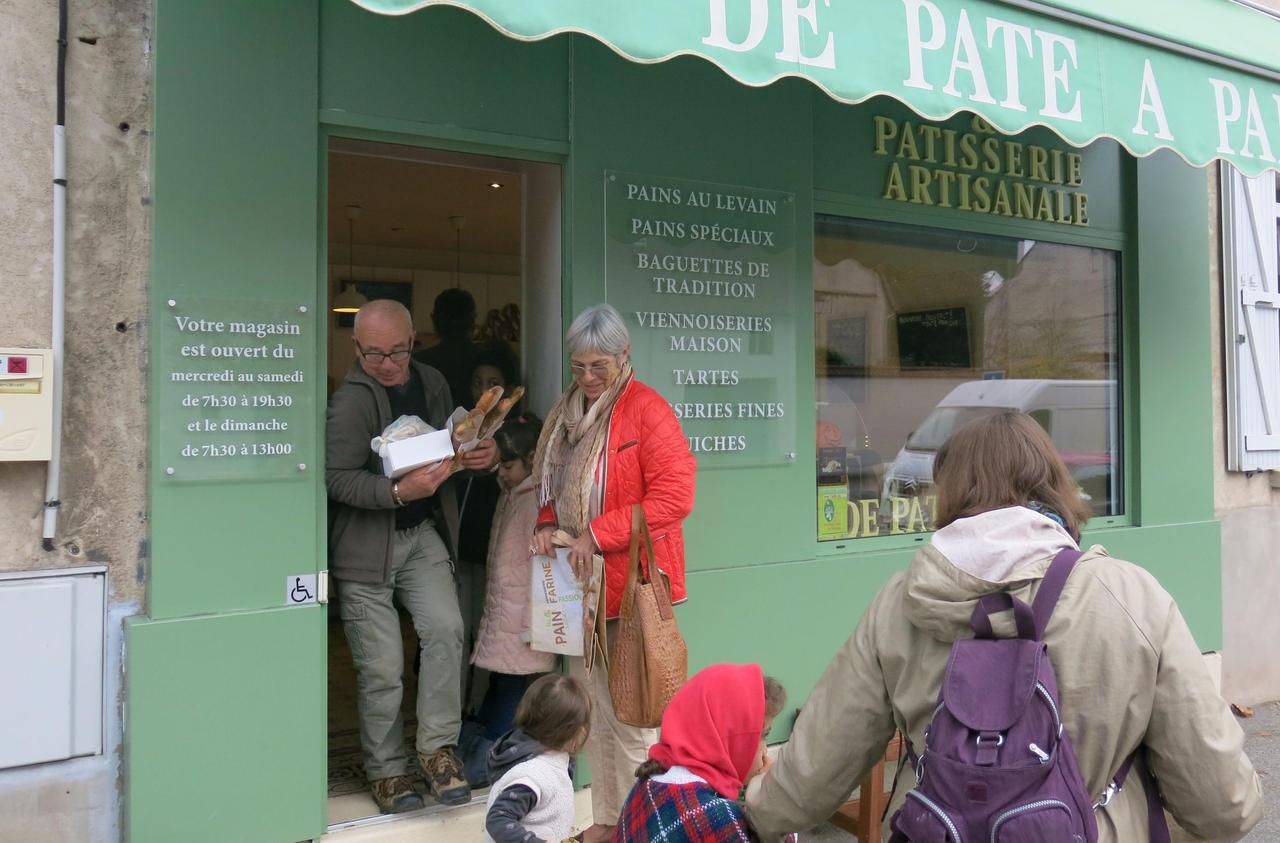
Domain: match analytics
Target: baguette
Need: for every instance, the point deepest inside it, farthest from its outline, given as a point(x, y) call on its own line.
point(469, 427)
point(489, 400)
point(499, 412)
point(473, 422)
point(461, 429)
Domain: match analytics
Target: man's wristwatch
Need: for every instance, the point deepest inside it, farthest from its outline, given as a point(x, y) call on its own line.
point(395, 493)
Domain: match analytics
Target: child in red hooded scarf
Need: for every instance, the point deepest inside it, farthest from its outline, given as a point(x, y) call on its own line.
point(712, 743)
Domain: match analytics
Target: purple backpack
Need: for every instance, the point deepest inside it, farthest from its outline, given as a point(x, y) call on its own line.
point(997, 765)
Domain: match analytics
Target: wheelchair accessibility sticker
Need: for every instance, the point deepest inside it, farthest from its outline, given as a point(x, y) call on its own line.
point(299, 589)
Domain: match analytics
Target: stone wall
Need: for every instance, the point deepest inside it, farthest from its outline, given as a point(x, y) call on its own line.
point(103, 517)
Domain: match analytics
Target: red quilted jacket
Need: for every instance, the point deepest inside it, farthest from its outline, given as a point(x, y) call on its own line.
point(646, 461)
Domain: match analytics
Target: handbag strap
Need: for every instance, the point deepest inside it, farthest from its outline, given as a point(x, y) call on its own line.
point(636, 573)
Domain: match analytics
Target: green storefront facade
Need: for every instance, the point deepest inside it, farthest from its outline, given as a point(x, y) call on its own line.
point(226, 685)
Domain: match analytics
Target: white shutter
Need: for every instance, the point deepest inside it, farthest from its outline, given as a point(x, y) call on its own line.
point(1251, 310)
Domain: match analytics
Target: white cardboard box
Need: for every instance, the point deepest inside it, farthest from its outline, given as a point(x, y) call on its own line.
point(405, 455)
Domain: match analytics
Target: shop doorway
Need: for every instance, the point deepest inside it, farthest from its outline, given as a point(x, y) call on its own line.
point(410, 224)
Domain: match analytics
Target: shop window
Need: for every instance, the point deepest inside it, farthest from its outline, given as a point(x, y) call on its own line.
point(920, 331)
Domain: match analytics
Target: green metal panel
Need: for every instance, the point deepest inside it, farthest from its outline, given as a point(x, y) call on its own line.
point(235, 220)
point(445, 70)
point(226, 688)
point(225, 723)
point(1173, 401)
point(685, 120)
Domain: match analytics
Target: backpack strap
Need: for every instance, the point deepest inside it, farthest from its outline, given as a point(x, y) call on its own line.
point(1002, 601)
point(1031, 621)
point(1158, 826)
point(1051, 588)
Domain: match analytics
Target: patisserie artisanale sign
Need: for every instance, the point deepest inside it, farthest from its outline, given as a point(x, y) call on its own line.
point(980, 171)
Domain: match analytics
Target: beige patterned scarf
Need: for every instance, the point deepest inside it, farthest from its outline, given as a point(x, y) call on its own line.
point(569, 449)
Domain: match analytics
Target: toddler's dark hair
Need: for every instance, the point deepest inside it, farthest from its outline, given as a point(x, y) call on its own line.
point(554, 711)
point(517, 439)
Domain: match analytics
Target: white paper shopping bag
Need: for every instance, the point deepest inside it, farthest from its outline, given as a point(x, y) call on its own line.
point(555, 622)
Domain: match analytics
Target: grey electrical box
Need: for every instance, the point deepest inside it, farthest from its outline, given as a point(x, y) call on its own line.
point(51, 655)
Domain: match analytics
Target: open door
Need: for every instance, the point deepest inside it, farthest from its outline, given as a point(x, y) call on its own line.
point(435, 230)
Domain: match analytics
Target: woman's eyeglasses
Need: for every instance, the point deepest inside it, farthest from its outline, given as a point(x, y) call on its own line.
point(596, 370)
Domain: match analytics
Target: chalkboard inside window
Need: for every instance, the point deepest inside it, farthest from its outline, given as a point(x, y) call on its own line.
point(934, 339)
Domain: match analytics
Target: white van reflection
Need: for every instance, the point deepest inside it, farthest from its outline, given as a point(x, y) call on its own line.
point(1077, 414)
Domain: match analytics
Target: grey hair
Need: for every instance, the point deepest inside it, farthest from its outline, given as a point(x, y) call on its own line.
point(598, 328)
point(384, 308)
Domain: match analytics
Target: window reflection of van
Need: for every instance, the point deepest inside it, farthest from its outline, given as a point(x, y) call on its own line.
point(1075, 413)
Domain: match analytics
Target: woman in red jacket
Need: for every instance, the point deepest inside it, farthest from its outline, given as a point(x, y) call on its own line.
point(609, 443)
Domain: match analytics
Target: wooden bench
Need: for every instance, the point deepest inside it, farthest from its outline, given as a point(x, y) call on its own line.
point(861, 817)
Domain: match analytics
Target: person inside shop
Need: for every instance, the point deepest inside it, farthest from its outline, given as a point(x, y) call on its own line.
point(495, 365)
point(453, 316)
point(1130, 676)
point(611, 442)
point(389, 541)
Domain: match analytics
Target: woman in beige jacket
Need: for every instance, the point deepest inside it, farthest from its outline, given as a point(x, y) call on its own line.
point(1129, 672)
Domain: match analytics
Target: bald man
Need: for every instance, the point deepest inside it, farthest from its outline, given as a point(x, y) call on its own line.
point(394, 540)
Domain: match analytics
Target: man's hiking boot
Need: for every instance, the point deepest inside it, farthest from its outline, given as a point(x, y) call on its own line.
point(395, 795)
point(445, 777)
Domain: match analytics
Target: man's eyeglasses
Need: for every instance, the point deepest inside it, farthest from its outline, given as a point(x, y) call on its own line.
point(596, 370)
point(376, 357)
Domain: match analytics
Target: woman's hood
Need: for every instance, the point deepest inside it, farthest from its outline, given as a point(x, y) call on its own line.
point(972, 557)
point(713, 726)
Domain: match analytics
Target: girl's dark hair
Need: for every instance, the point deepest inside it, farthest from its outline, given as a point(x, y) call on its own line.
point(1002, 460)
point(554, 711)
point(518, 437)
point(499, 355)
point(775, 699)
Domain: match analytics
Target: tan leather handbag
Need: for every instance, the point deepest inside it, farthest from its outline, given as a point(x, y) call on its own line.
point(649, 660)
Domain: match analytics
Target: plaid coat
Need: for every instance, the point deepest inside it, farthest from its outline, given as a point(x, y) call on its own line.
point(680, 813)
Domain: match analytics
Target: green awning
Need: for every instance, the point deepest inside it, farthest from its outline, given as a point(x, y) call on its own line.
point(1201, 77)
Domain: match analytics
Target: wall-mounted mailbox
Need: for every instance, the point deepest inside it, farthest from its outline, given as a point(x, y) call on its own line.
point(26, 403)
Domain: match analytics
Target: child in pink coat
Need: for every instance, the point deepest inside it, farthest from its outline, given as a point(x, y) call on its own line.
point(502, 644)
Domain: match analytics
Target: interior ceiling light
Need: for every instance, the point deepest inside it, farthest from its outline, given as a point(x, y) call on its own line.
point(495, 185)
point(349, 299)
